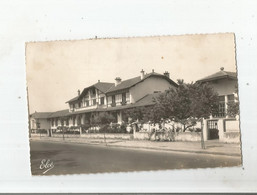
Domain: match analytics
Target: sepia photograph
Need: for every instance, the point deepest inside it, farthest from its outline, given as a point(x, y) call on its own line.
point(127, 104)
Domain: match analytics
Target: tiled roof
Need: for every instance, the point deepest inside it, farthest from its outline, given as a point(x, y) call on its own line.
point(219, 75)
point(41, 115)
point(73, 99)
point(102, 86)
point(59, 113)
point(147, 100)
point(125, 84)
point(132, 82)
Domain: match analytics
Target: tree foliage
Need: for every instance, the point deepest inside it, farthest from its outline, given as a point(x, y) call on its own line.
point(233, 107)
point(186, 104)
point(104, 118)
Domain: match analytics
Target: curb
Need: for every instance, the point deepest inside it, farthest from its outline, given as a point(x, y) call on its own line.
point(145, 148)
point(172, 150)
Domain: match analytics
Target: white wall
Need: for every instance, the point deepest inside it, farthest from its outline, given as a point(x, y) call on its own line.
point(224, 86)
point(232, 126)
point(44, 123)
point(148, 86)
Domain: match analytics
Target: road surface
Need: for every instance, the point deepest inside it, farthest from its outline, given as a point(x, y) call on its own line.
point(55, 158)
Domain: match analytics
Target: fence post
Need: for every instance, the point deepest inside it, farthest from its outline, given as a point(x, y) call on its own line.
point(202, 134)
point(80, 130)
point(205, 130)
point(221, 129)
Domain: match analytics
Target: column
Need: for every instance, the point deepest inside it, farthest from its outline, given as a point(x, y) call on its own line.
point(221, 129)
point(89, 98)
point(226, 106)
point(96, 95)
point(205, 130)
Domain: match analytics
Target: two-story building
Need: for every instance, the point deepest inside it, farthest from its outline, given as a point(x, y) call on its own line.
point(113, 98)
point(224, 83)
point(221, 125)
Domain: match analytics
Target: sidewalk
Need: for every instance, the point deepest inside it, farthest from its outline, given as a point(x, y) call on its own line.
point(212, 147)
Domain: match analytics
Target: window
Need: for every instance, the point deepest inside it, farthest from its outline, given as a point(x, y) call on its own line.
point(56, 122)
point(231, 98)
point(74, 118)
point(79, 104)
point(79, 120)
point(93, 93)
point(67, 122)
point(222, 112)
point(52, 122)
point(123, 101)
point(102, 100)
point(87, 102)
point(94, 101)
point(113, 99)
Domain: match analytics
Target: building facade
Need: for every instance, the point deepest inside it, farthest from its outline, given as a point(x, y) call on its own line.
point(113, 98)
point(225, 84)
point(117, 97)
point(40, 120)
point(221, 125)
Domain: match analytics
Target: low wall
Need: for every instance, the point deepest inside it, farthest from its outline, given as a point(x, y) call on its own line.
point(231, 137)
point(141, 135)
point(108, 136)
point(188, 136)
point(232, 126)
point(39, 135)
point(65, 135)
point(185, 136)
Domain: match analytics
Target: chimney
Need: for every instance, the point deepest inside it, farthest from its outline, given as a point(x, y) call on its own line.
point(78, 92)
point(222, 68)
point(142, 74)
point(118, 80)
point(167, 74)
point(98, 81)
point(152, 70)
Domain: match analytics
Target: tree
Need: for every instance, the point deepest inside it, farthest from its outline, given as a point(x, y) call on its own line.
point(104, 119)
point(186, 104)
point(233, 107)
point(134, 114)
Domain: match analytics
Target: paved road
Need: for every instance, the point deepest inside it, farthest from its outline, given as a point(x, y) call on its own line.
point(70, 158)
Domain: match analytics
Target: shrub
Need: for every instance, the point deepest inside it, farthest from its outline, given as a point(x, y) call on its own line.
point(72, 132)
point(42, 131)
point(85, 127)
point(113, 128)
point(123, 128)
point(198, 130)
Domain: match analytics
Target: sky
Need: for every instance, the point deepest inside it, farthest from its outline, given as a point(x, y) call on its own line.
point(57, 69)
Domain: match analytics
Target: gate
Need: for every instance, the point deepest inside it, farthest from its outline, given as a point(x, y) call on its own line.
point(213, 130)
